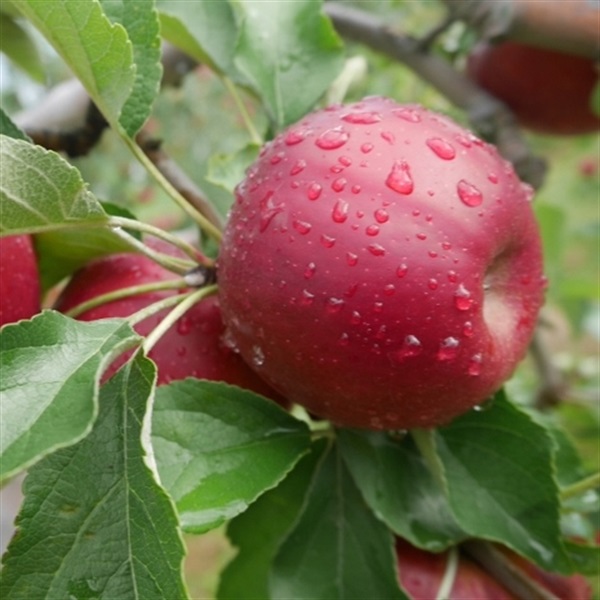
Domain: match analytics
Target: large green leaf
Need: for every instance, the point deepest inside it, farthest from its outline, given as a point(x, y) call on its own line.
point(337, 549)
point(98, 52)
point(16, 43)
point(219, 447)
point(95, 523)
point(393, 477)
point(258, 532)
point(39, 191)
point(10, 129)
point(50, 370)
point(289, 52)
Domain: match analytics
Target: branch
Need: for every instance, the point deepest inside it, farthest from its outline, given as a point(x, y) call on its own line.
point(570, 27)
point(486, 114)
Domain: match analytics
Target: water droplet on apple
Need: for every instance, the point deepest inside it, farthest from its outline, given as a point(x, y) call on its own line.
point(345, 160)
point(356, 318)
point(468, 329)
point(351, 259)
point(408, 114)
point(276, 158)
point(410, 347)
point(489, 403)
point(298, 167)
point(452, 276)
point(339, 214)
point(372, 230)
point(389, 289)
point(433, 284)
point(462, 298)
point(474, 368)
point(492, 177)
point(332, 139)
point(307, 298)
point(402, 270)
point(400, 179)
point(327, 241)
point(421, 236)
point(355, 189)
point(446, 245)
point(310, 270)
point(388, 136)
point(377, 307)
point(338, 184)
point(184, 325)
point(344, 339)
point(445, 150)
point(468, 193)
point(302, 227)
point(448, 349)
point(258, 356)
point(366, 148)
point(381, 215)
point(432, 254)
point(269, 209)
point(376, 249)
point(294, 136)
point(334, 305)
point(362, 118)
point(314, 191)
point(181, 351)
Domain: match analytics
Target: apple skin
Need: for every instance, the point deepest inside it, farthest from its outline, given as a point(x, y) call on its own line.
point(354, 262)
point(19, 279)
point(421, 573)
point(192, 347)
point(548, 92)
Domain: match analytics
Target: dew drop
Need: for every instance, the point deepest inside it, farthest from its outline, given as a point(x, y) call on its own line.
point(184, 325)
point(493, 178)
point(389, 289)
point(307, 298)
point(339, 214)
point(446, 245)
point(372, 230)
point(345, 160)
point(314, 191)
point(310, 270)
point(433, 284)
point(334, 305)
point(344, 339)
point(462, 298)
point(268, 211)
point(327, 241)
point(339, 184)
point(400, 179)
point(276, 158)
point(408, 114)
point(293, 137)
point(421, 236)
point(416, 212)
point(468, 329)
point(381, 215)
point(448, 349)
point(332, 139)
point(432, 254)
point(355, 318)
point(381, 333)
point(355, 189)
point(445, 150)
point(468, 193)
point(366, 148)
point(362, 118)
point(402, 270)
point(388, 136)
point(351, 259)
point(376, 249)
point(336, 169)
point(377, 307)
point(298, 167)
point(474, 368)
point(181, 351)
point(410, 347)
point(452, 276)
point(258, 356)
point(302, 227)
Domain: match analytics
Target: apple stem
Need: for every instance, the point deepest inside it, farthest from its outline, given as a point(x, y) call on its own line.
point(134, 290)
point(205, 225)
point(186, 303)
point(580, 487)
point(254, 135)
point(171, 263)
point(449, 575)
point(161, 234)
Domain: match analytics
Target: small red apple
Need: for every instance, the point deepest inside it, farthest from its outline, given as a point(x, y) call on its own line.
point(191, 348)
point(19, 279)
point(381, 266)
point(548, 91)
point(421, 574)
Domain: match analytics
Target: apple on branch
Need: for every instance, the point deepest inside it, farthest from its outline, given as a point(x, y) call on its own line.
point(381, 266)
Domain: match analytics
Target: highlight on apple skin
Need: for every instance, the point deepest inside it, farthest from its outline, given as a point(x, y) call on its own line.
point(381, 266)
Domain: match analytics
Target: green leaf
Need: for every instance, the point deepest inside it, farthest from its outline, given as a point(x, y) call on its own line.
point(393, 477)
point(499, 472)
point(337, 549)
point(552, 220)
point(595, 99)
point(258, 532)
point(98, 52)
point(219, 447)
point(227, 170)
point(207, 31)
point(39, 191)
point(95, 523)
point(585, 558)
point(16, 43)
point(50, 370)
point(8, 128)
point(140, 19)
point(289, 52)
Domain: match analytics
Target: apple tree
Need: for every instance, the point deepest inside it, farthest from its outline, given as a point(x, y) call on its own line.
point(309, 286)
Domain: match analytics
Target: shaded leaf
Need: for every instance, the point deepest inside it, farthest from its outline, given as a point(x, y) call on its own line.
point(107, 529)
point(17, 44)
point(219, 447)
point(9, 129)
point(50, 370)
point(228, 170)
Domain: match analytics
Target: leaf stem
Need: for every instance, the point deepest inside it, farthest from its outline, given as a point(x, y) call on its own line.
point(449, 574)
point(581, 486)
point(134, 290)
point(177, 312)
point(254, 135)
point(161, 234)
point(204, 224)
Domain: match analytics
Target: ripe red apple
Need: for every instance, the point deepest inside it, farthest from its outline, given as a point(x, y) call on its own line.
point(191, 348)
point(549, 92)
point(381, 266)
point(19, 279)
point(421, 574)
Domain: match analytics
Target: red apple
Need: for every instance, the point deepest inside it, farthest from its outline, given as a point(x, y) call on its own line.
point(381, 266)
point(421, 574)
point(19, 279)
point(191, 348)
point(549, 92)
